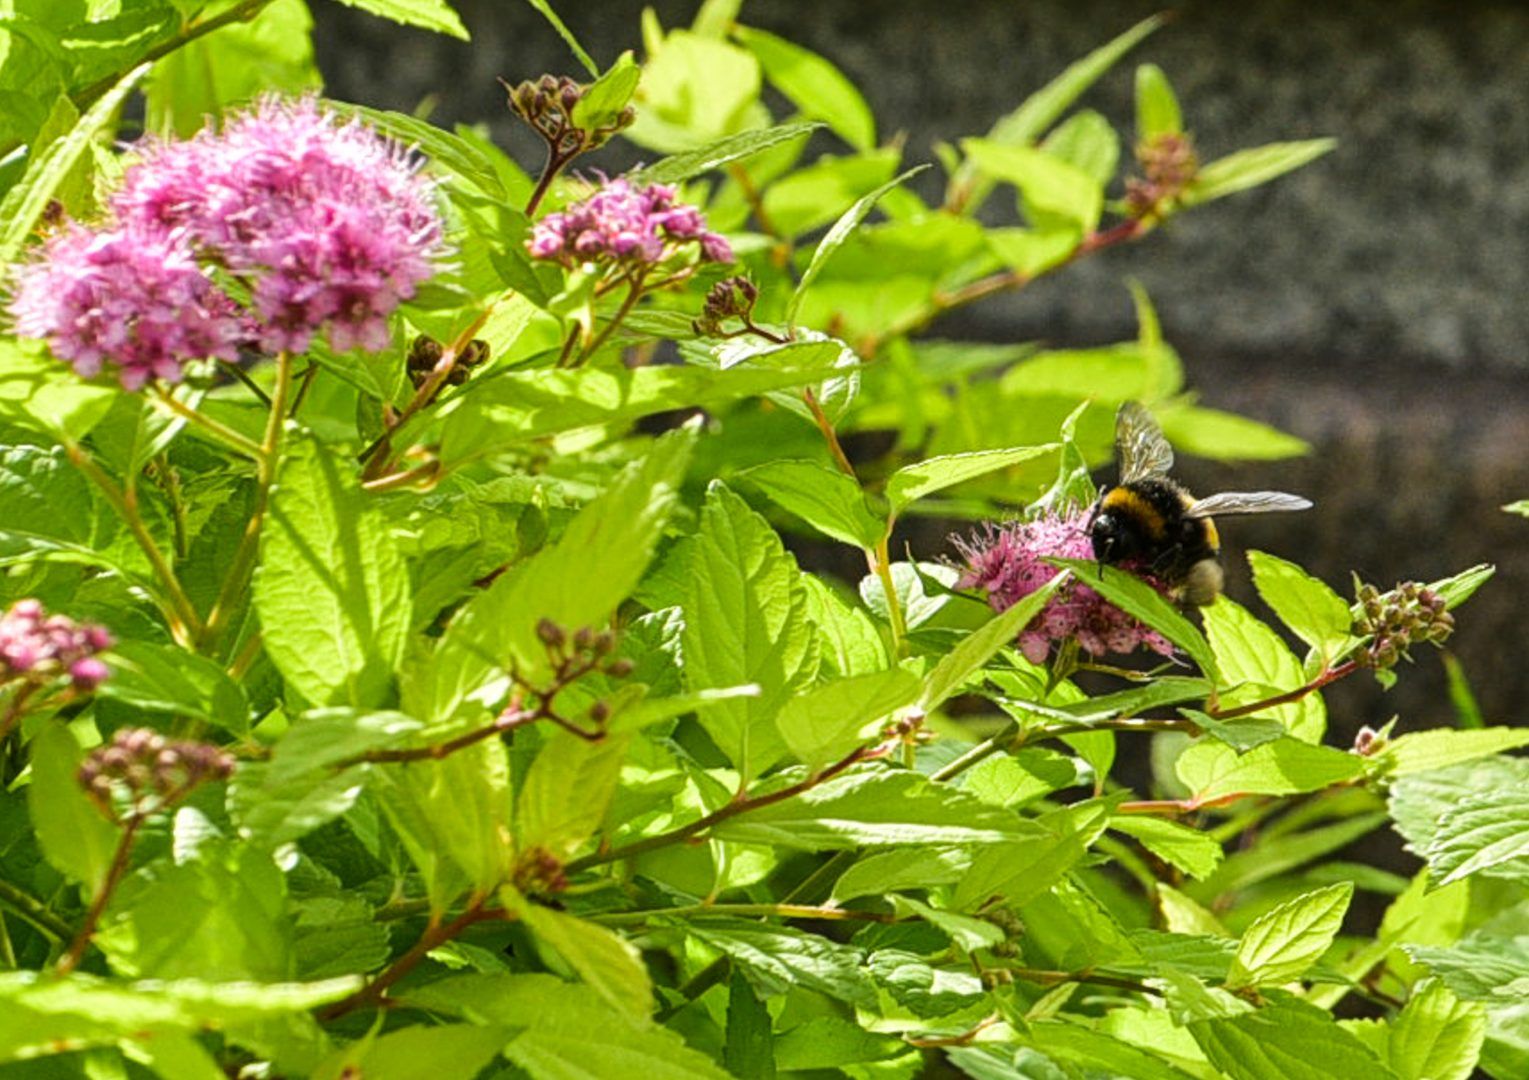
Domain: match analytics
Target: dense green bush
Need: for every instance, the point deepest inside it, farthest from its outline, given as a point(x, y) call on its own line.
point(405, 674)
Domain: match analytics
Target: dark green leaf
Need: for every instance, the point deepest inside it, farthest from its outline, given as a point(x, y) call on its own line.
point(749, 1053)
point(164, 679)
point(778, 959)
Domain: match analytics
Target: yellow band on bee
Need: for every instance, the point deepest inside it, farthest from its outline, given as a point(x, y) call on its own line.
point(1138, 508)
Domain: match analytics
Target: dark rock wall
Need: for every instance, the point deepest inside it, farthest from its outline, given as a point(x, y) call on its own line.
point(1372, 303)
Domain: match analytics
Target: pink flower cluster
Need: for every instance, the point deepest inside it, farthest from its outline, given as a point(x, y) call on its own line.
point(325, 222)
point(133, 298)
point(37, 647)
point(625, 225)
point(1007, 563)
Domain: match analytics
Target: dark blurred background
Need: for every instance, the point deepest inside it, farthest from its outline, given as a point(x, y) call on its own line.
point(1372, 303)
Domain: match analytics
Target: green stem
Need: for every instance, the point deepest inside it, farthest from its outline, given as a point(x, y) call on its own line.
point(236, 583)
point(219, 431)
point(621, 313)
point(34, 911)
point(880, 560)
point(781, 911)
point(178, 610)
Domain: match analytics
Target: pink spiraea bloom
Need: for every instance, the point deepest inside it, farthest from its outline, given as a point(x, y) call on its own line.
point(38, 647)
point(330, 223)
point(132, 300)
point(1007, 563)
point(626, 225)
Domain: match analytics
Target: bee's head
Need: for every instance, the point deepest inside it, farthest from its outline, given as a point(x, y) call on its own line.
point(1105, 532)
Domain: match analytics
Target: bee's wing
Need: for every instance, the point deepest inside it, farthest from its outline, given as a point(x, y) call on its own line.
point(1140, 447)
point(1246, 502)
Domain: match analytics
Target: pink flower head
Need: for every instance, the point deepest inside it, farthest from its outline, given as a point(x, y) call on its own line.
point(329, 222)
point(127, 298)
point(38, 647)
point(626, 225)
point(1007, 563)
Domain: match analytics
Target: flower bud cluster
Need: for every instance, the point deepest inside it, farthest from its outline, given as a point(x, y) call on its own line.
point(731, 298)
point(573, 656)
point(539, 872)
point(548, 104)
point(425, 352)
point(1169, 165)
point(145, 771)
point(1008, 563)
point(37, 647)
point(1396, 620)
point(627, 227)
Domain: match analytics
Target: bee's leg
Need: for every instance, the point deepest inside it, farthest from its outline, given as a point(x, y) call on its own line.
point(1167, 559)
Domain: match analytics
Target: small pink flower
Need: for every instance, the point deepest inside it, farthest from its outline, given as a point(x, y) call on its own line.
point(1007, 563)
point(129, 299)
point(627, 226)
point(39, 647)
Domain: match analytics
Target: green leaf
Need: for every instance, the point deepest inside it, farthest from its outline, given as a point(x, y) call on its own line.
point(745, 622)
point(1436, 1036)
point(1045, 107)
point(1249, 652)
point(750, 1051)
point(1241, 733)
point(566, 1032)
point(691, 163)
point(847, 637)
point(921, 987)
point(567, 791)
point(826, 1042)
point(1420, 802)
point(272, 52)
point(1087, 141)
point(332, 591)
point(1288, 1040)
point(1250, 168)
point(453, 816)
point(1481, 967)
point(618, 532)
point(822, 724)
point(40, 393)
point(1222, 436)
point(1054, 192)
point(901, 869)
point(455, 157)
point(1031, 862)
point(1157, 108)
point(608, 95)
point(969, 657)
point(827, 499)
point(1033, 251)
point(874, 807)
point(1280, 945)
point(908, 583)
point(1192, 851)
point(434, 15)
point(1521, 507)
point(778, 959)
point(1095, 1050)
point(44, 1014)
point(832, 240)
point(164, 679)
point(817, 88)
point(1141, 601)
point(913, 482)
point(1487, 832)
point(24, 204)
point(1459, 588)
point(520, 406)
point(611, 965)
point(1314, 613)
point(73, 835)
point(1288, 766)
point(1423, 751)
point(412, 1052)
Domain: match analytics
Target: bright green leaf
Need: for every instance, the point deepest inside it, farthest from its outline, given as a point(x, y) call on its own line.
point(1250, 168)
point(827, 499)
point(813, 85)
point(1280, 945)
point(913, 482)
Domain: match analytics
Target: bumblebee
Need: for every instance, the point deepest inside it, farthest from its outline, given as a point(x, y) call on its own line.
point(1150, 521)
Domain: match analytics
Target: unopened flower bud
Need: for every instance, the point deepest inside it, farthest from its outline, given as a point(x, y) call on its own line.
point(550, 633)
point(600, 712)
point(620, 668)
point(583, 638)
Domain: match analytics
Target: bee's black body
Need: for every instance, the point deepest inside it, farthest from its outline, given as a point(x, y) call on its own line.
point(1152, 524)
